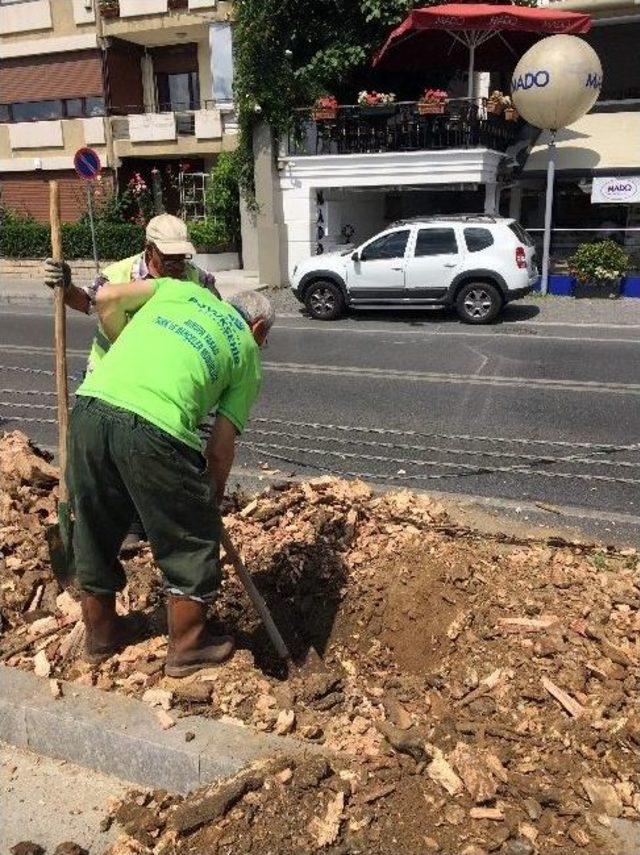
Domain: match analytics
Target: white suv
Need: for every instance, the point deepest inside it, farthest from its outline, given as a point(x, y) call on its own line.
point(474, 262)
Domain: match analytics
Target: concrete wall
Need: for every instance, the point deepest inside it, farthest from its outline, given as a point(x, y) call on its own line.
point(23, 22)
point(19, 155)
point(270, 234)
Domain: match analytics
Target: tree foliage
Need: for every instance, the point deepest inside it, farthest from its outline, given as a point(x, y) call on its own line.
point(287, 52)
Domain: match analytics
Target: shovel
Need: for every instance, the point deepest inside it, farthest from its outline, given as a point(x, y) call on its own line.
point(255, 596)
point(59, 535)
point(311, 661)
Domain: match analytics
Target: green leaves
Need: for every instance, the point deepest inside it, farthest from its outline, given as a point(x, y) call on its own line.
point(602, 261)
point(22, 237)
point(222, 201)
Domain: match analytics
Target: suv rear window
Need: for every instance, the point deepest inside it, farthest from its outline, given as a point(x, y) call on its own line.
point(523, 236)
point(477, 239)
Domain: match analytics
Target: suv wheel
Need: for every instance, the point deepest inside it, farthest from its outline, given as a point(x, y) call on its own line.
point(478, 303)
point(324, 300)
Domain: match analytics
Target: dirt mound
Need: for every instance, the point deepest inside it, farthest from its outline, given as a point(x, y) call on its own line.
point(482, 691)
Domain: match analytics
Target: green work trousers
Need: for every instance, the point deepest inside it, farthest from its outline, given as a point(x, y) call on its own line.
point(119, 463)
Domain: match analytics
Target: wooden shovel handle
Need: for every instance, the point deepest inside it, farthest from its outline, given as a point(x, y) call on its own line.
point(60, 337)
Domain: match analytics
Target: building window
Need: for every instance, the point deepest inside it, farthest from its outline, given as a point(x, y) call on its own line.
point(179, 91)
point(59, 108)
point(74, 108)
point(94, 106)
point(34, 111)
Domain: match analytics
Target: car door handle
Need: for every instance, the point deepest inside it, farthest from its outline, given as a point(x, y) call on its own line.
point(451, 264)
point(397, 268)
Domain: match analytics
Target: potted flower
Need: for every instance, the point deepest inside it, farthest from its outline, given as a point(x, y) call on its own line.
point(510, 112)
point(325, 108)
point(377, 103)
point(598, 269)
point(109, 8)
point(433, 102)
point(496, 103)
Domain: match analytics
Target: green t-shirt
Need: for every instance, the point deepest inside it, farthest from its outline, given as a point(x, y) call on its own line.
point(184, 353)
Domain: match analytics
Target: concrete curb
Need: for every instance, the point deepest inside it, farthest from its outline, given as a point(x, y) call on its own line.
point(121, 736)
point(30, 292)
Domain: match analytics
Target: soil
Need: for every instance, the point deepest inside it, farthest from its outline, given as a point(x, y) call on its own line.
point(477, 692)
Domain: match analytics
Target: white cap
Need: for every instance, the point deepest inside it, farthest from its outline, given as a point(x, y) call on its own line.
point(169, 234)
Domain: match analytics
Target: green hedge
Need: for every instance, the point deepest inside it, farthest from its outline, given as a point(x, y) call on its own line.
point(21, 238)
point(24, 238)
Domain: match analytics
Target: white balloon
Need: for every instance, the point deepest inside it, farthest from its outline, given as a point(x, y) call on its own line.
point(556, 82)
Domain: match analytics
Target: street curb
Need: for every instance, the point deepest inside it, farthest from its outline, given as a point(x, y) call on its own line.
point(121, 736)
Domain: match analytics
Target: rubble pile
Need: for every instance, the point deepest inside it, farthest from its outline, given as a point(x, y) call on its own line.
point(480, 692)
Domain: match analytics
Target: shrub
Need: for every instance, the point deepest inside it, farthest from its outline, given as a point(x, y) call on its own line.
point(22, 237)
point(222, 200)
point(602, 261)
point(208, 235)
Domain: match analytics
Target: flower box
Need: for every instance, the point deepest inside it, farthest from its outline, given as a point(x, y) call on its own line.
point(378, 110)
point(511, 114)
point(631, 285)
point(494, 108)
point(609, 289)
point(430, 109)
point(110, 9)
point(326, 114)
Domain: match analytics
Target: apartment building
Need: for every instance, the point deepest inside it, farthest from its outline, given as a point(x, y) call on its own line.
point(146, 83)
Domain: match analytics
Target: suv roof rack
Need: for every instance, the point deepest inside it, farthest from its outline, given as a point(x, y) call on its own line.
point(464, 218)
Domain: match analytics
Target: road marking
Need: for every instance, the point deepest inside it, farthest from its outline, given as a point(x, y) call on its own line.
point(395, 374)
point(532, 322)
point(41, 351)
point(385, 331)
point(458, 379)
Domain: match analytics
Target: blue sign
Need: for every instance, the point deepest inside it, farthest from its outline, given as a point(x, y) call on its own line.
point(87, 163)
point(539, 79)
point(594, 81)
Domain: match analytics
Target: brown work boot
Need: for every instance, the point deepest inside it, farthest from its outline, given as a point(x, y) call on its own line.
point(106, 632)
point(190, 645)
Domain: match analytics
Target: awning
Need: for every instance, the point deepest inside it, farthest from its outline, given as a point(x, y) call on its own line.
point(598, 142)
point(441, 36)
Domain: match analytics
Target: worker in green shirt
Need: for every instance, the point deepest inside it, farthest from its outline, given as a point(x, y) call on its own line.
point(167, 252)
point(134, 446)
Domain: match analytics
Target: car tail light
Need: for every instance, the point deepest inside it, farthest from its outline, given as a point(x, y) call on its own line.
point(521, 258)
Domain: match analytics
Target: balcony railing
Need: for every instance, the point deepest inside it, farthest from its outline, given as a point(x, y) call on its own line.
point(172, 123)
point(399, 127)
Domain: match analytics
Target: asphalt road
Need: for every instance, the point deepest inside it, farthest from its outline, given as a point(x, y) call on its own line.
point(528, 411)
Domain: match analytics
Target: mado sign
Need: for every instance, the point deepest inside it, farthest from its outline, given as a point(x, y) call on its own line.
point(556, 82)
point(616, 190)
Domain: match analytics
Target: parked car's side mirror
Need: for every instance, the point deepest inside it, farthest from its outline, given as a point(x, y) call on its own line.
point(355, 256)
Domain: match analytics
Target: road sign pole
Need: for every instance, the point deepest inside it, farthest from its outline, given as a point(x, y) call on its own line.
point(92, 226)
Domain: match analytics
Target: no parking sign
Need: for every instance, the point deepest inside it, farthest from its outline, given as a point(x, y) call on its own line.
point(87, 166)
point(87, 163)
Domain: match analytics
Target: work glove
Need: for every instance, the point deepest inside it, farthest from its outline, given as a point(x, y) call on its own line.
point(57, 274)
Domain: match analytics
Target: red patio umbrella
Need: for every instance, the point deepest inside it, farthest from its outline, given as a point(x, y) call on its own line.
point(466, 35)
